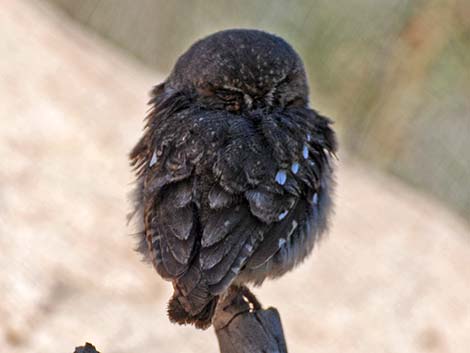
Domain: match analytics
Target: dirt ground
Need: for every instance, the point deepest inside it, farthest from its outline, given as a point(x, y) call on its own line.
point(392, 276)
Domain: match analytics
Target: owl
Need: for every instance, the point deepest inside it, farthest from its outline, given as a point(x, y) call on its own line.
point(234, 171)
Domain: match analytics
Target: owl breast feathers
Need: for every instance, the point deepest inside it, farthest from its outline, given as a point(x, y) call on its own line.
point(234, 170)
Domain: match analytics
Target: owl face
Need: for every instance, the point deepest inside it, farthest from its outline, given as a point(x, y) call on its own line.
point(242, 71)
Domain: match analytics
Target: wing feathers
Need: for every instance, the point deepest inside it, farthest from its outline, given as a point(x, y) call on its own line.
point(220, 223)
point(223, 192)
point(219, 198)
point(175, 225)
point(267, 206)
point(237, 265)
point(277, 236)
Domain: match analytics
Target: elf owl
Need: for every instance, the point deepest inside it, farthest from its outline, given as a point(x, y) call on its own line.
point(234, 170)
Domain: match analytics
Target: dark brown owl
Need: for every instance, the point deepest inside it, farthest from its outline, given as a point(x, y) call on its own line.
point(234, 170)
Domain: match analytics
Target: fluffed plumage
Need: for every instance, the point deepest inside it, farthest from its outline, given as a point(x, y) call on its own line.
point(234, 170)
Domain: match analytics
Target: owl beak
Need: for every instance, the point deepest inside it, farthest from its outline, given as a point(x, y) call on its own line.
point(248, 100)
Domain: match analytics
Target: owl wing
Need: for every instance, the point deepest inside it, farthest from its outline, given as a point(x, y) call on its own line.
point(165, 160)
point(274, 169)
point(219, 191)
point(303, 145)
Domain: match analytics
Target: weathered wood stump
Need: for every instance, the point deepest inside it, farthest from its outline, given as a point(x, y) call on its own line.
point(87, 348)
point(242, 326)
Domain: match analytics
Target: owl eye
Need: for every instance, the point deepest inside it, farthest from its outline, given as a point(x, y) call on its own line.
point(227, 95)
point(232, 100)
point(296, 102)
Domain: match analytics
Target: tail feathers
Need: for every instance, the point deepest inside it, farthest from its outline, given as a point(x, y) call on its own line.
point(201, 319)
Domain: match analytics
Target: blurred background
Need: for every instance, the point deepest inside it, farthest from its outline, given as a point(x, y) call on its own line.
point(393, 276)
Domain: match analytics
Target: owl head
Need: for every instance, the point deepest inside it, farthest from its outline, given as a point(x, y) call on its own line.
point(240, 71)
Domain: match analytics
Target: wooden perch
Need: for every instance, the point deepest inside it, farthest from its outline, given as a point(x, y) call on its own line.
point(87, 348)
point(242, 326)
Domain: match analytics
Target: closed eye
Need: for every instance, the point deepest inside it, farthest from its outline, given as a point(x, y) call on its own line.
point(228, 95)
point(296, 102)
point(279, 91)
point(232, 100)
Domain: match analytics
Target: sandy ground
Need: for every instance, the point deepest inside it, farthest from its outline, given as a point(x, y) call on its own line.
point(393, 276)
